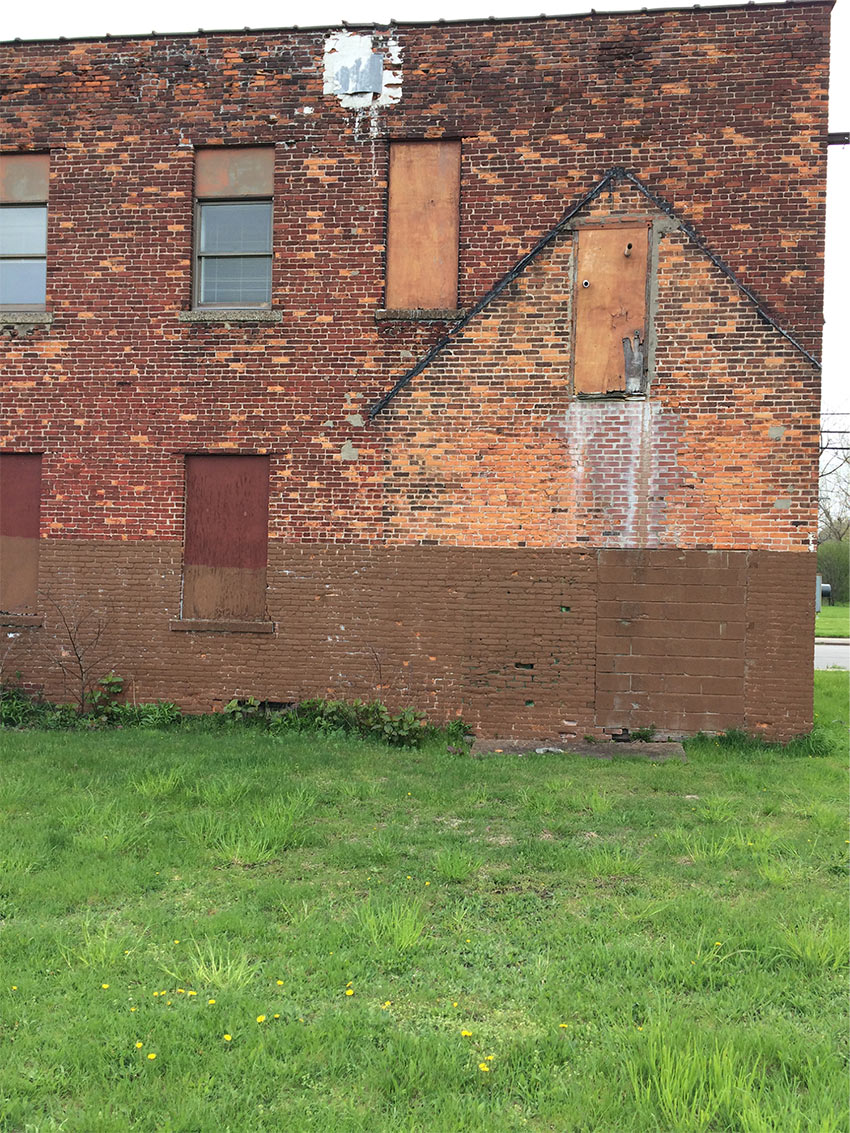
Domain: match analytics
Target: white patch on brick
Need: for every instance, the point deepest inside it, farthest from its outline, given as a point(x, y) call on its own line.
point(356, 70)
point(349, 452)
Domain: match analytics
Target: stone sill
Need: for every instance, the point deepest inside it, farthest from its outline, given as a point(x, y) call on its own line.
point(21, 621)
point(421, 314)
point(24, 322)
point(216, 625)
point(227, 315)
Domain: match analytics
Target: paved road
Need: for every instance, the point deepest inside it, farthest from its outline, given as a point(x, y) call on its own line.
point(832, 653)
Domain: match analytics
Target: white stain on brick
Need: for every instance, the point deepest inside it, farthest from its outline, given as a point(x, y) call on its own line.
point(362, 71)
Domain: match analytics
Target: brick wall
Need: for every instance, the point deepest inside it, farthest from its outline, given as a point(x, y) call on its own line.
point(720, 111)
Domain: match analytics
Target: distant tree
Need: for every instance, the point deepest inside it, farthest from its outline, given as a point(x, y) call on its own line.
point(834, 509)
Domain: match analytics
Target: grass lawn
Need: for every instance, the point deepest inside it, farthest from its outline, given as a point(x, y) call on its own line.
point(216, 930)
point(833, 621)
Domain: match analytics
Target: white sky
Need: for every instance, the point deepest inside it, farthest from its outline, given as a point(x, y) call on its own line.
point(49, 19)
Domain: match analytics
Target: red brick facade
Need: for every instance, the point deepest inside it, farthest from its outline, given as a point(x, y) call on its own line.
point(489, 543)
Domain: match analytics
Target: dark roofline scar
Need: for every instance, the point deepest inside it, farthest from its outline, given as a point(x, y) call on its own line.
point(618, 173)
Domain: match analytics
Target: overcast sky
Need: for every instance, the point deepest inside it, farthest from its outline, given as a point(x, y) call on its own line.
point(96, 17)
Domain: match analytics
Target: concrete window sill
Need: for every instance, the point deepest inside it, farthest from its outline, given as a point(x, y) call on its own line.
point(421, 314)
point(24, 322)
point(21, 621)
point(216, 625)
point(227, 315)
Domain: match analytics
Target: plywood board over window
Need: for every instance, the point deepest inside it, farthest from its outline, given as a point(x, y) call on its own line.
point(422, 226)
point(610, 309)
point(226, 538)
point(234, 171)
point(20, 501)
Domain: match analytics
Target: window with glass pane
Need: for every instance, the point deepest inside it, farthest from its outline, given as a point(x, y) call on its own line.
point(234, 260)
point(23, 252)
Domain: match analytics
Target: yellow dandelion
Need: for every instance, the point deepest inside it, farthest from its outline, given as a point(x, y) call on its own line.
point(490, 1057)
point(176, 941)
point(133, 1008)
point(466, 1034)
point(349, 991)
point(388, 1003)
point(211, 1001)
point(14, 987)
point(139, 1046)
point(151, 1056)
point(168, 1004)
point(181, 991)
point(227, 1038)
point(427, 882)
point(279, 983)
point(261, 1018)
point(275, 1016)
point(717, 944)
point(155, 994)
point(483, 1067)
point(104, 986)
point(563, 1024)
point(191, 993)
point(640, 1028)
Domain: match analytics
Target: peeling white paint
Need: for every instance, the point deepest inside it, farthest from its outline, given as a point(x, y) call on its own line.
point(621, 455)
point(357, 71)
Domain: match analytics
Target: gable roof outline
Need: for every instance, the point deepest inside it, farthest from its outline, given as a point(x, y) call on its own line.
point(617, 173)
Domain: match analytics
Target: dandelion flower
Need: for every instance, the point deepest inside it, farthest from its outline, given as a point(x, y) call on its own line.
point(466, 1034)
point(349, 991)
point(176, 941)
point(454, 1004)
point(133, 1009)
point(181, 990)
point(276, 1016)
point(563, 1024)
point(151, 1056)
point(191, 993)
point(427, 882)
point(279, 983)
point(211, 1002)
point(227, 1038)
point(482, 1066)
point(490, 1057)
point(104, 986)
point(168, 1003)
point(139, 1046)
point(261, 1018)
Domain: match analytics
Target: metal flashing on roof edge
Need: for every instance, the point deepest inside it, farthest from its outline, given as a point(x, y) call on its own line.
point(618, 173)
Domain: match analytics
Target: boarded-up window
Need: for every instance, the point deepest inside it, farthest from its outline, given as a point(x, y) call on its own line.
point(224, 556)
point(422, 234)
point(233, 226)
point(610, 309)
point(20, 500)
point(23, 229)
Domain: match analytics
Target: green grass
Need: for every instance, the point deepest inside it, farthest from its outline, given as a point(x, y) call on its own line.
point(833, 621)
point(625, 947)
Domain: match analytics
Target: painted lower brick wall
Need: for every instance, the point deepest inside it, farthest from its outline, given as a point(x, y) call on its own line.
point(520, 642)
